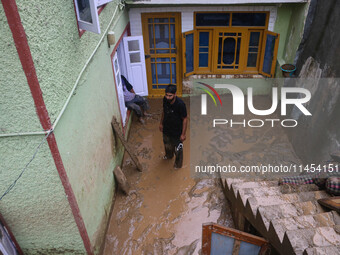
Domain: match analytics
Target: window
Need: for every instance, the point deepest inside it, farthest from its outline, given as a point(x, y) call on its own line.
point(230, 43)
point(87, 14)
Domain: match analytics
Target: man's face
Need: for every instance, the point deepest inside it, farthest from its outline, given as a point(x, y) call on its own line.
point(170, 97)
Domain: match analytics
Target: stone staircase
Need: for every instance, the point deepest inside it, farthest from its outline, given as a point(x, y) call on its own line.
point(293, 223)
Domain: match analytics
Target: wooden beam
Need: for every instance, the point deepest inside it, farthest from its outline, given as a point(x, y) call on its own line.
point(116, 130)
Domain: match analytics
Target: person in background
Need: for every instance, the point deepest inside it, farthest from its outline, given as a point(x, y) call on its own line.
point(134, 102)
point(173, 125)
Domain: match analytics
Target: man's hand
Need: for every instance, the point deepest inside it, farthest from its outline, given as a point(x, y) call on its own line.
point(161, 127)
point(182, 138)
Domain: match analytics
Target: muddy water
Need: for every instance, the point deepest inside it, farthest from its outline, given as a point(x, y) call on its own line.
point(166, 207)
point(240, 145)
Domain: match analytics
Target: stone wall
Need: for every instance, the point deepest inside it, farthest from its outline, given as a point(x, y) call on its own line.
point(318, 60)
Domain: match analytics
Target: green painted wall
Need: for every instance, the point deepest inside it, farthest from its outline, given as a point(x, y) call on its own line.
point(21, 115)
point(290, 25)
point(86, 142)
point(37, 209)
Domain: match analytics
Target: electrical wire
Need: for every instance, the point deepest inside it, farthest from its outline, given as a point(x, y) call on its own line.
point(24, 169)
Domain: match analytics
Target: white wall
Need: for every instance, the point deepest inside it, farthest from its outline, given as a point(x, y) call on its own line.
point(187, 15)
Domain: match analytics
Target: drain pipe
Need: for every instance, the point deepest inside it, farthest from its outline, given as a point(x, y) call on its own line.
point(26, 133)
point(74, 87)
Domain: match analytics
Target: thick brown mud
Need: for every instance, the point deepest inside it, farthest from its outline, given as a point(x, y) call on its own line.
point(165, 210)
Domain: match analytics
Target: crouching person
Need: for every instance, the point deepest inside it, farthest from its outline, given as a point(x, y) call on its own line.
point(134, 102)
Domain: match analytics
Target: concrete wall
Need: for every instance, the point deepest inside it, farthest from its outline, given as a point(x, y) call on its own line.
point(290, 25)
point(187, 14)
point(86, 143)
point(37, 209)
point(319, 52)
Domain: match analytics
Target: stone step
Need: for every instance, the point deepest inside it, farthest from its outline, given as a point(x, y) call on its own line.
point(230, 181)
point(296, 241)
point(255, 202)
point(253, 184)
point(273, 212)
point(328, 250)
point(327, 219)
point(246, 193)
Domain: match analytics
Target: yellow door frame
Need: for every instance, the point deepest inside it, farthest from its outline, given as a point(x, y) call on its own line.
point(149, 55)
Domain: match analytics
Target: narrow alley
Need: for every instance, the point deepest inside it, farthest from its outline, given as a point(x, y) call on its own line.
point(166, 207)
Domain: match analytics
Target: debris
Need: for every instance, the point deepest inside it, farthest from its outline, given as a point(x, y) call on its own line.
point(121, 179)
point(116, 130)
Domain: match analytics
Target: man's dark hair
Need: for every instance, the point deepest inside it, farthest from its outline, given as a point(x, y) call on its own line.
point(171, 89)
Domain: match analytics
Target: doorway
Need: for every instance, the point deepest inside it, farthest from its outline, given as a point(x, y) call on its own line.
point(161, 33)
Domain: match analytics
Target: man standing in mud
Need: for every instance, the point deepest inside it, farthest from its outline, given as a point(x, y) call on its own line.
point(173, 124)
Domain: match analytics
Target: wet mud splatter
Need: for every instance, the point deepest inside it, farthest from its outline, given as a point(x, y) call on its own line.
point(165, 210)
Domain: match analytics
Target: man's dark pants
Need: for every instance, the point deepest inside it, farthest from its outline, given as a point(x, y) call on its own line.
point(136, 103)
point(171, 145)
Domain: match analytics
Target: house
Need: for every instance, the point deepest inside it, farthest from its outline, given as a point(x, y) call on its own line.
point(60, 86)
point(216, 38)
point(58, 97)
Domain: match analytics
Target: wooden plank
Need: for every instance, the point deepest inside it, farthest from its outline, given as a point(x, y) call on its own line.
point(206, 239)
point(116, 130)
point(332, 203)
point(121, 179)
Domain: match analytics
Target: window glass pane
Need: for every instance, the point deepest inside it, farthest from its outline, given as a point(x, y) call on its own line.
point(249, 19)
point(203, 49)
point(162, 51)
point(212, 19)
point(221, 244)
point(149, 20)
point(249, 249)
point(203, 60)
point(172, 19)
point(219, 50)
point(153, 73)
point(162, 36)
point(253, 50)
point(269, 54)
point(118, 79)
point(134, 57)
point(173, 37)
point(173, 70)
point(133, 45)
point(254, 39)
point(163, 59)
point(84, 10)
point(238, 50)
point(189, 53)
point(163, 73)
point(163, 20)
point(228, 50)
point(151, 37)
point(252, 60)
point(204, 39)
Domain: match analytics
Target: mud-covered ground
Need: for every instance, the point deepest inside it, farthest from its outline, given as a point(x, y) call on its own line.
point(164, 212)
